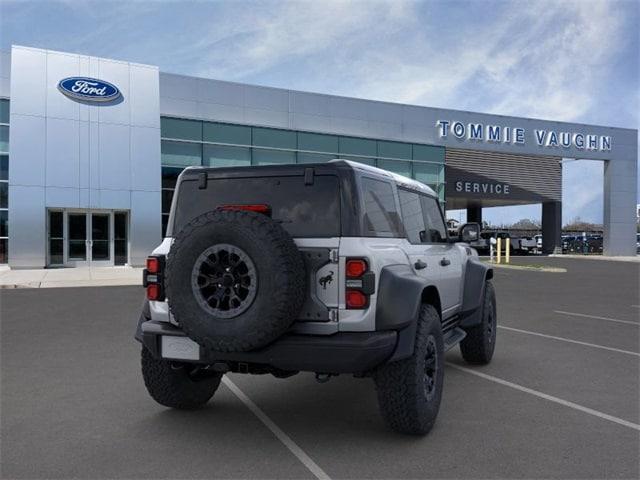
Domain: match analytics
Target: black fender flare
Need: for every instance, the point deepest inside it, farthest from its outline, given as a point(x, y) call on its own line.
point(475, 276)
point(401, 293)
point(145, 316)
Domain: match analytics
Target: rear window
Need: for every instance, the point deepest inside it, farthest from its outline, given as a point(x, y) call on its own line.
point(303, 210)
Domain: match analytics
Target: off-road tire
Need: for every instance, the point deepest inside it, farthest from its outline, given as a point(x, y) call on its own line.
point(478, 346)
point(172, 385)
point(400, 385)
point(281, 280)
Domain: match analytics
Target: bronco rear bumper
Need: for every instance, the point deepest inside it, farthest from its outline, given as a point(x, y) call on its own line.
point(343, 352)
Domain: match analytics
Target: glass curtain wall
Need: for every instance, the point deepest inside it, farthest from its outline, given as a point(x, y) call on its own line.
point(4, 181)
point(193, 142)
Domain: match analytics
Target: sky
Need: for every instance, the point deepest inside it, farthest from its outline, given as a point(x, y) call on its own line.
point(558, 60)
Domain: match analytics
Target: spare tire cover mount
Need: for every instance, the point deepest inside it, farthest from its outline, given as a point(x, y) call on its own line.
point(224, 280)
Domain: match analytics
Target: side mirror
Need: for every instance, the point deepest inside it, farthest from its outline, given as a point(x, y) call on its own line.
point(469, 232)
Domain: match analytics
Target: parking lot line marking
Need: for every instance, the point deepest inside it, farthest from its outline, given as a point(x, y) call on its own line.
point(277, 431)
point(545, 396)
point(608, 319)
point(563, 339)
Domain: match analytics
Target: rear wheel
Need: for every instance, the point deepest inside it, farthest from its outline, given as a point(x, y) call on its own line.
point(479, 344)
point(178, 385)
point(409, 390)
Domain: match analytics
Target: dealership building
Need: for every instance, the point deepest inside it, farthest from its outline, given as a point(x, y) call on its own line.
point(90, 149)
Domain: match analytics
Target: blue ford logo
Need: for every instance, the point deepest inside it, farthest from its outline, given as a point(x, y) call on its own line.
point(89, 89)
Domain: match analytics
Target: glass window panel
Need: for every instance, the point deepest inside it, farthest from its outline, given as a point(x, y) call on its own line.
point(167, 195)
point(428, 173)
point(4, 111)
point(271, 137)
point(412, 216)
point(4, 167)
point(4, 250)
point(120, 226)
point(428, 153)
point(170, 176)
point(317, 142)
point(272, 157)
point(99, 226)
point(4, 223)
point(402, 168)
point(55, 225)
point(221, 156)
point(225, 133)
point(165, 221)
point(100, 250)
point(56, 251)
point(77, 227)
point(380, 215)
point(314, 157)
point(120, 242)
point(394, 150)
point(179, 153)
point(120, 252)
point(436, 229)
point(178, 128)
point(4, 195)
point(4, 139)
point(77, 250)
point(358, 146)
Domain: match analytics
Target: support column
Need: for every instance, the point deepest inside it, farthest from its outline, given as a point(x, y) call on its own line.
point(620, 192)
point(474, 214)
point(551, 227)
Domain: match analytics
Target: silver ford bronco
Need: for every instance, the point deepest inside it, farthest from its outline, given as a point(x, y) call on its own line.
point(332, 268)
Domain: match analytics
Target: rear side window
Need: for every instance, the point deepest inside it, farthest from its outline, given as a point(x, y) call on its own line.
point(436, 230)
point(412, 216)
point(380, 215)
point(303, 210)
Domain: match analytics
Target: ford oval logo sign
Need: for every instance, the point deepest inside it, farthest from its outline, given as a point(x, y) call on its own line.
point(88, 89)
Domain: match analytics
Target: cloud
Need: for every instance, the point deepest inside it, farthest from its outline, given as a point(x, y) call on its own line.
point(570, 60)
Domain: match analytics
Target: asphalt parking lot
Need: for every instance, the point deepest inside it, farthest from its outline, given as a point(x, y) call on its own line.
point(560, 399)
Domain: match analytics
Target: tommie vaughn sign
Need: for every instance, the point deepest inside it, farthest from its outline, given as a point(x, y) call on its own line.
point(88, 89)
point(478, 132)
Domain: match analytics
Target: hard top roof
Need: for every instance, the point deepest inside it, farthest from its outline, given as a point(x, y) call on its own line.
point(320, 168)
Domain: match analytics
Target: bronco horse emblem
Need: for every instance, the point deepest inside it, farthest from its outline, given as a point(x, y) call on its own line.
point(327, 279)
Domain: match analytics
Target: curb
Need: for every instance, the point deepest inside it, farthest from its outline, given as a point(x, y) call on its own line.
point(72, 284)
point(529, 268)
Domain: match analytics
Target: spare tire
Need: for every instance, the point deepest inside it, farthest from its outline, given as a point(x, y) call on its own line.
point(235, 280)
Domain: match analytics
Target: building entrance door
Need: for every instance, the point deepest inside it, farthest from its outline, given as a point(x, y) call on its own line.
point(87, 238)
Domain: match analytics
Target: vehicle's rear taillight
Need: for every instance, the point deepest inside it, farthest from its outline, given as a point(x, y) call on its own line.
point(153, 265)
point(254, 207)
point(153, 291)
point(153, 278)
point(356, 299)
point(360, 283)
point(355, 267)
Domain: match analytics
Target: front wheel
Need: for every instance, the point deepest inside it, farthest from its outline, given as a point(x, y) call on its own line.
point(178, 385)
point(409, 390)
point(479, 344)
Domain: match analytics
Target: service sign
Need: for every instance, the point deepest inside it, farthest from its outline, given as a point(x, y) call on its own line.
point(88, 89)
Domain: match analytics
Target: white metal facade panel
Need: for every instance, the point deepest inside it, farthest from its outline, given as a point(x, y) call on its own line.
point(74, 154)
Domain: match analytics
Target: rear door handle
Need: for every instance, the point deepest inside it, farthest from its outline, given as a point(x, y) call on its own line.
point(445, 261)
point(419, 265)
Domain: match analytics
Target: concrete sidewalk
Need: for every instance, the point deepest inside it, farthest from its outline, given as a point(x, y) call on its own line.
point(70, 277)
